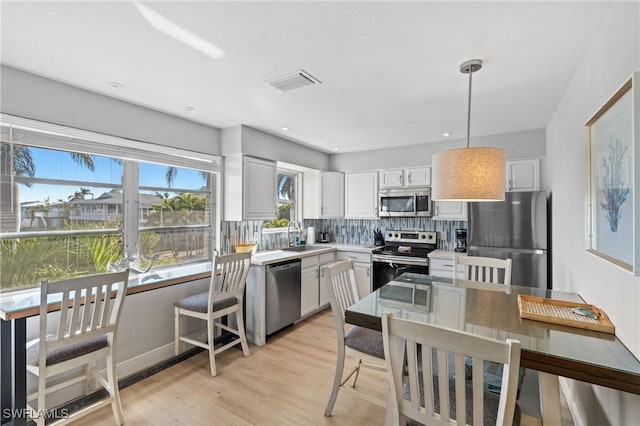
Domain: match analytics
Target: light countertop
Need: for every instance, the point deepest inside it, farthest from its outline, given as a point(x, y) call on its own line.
point(444, 254)
point(273, 256)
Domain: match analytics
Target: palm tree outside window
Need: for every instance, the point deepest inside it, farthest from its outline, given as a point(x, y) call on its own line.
point(286, 200)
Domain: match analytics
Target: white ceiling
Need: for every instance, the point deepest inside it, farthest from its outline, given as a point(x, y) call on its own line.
point(389, 70)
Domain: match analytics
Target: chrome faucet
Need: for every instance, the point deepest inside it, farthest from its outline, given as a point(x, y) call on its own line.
point(296, 225)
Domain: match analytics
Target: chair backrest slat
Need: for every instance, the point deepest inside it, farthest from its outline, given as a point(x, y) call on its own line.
point(342, 289)
point(484, 269)
point(230, 276)
point(406, 339)
point(81, 315)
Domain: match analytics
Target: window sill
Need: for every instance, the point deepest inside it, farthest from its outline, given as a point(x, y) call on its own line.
point(26, 303)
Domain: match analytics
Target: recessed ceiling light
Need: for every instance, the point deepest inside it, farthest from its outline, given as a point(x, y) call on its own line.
point(189, 108)
point(336, 149)
point(286, 129)
point(446, 134)
point(115, 84)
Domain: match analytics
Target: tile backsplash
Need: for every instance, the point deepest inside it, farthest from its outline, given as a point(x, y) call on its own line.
point(341, 231)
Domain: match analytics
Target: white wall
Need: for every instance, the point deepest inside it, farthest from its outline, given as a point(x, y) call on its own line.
point(31, 96)
point(608, 62)
point(247, 140)
point(530, 143)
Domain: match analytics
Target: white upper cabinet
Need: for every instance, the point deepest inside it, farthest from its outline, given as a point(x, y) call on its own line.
point(398, 178)
point(523, 175)
point(361, 195)
point(417, 176)
point(323, 195)
point(249, 188)
point(449, 210)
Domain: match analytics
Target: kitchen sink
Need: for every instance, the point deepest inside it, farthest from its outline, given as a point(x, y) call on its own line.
point(304, 248)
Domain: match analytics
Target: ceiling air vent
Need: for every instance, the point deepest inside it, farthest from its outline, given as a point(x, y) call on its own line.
point(294, 80)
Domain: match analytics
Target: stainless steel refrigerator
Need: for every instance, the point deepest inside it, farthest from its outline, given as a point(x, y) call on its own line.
point(515, 228)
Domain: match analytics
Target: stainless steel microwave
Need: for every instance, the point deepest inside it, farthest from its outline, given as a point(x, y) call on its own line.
point(405, 202)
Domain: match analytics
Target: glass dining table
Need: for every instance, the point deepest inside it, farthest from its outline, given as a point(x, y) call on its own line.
point(491, 310)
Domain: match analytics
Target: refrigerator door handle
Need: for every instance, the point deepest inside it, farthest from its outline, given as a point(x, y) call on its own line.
point(512, 250)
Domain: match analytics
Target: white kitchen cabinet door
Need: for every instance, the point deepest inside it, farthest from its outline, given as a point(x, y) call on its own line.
point(449, 210)
point(449, 306)
point(332, 195)
point(391, 178)
point(325, 259)
point(443, 267)
point(523, 175)
point(249, 188)
point(259, 188)
point(361, 195)
point(310, 290)
point(362, 272)
point(418, 176)
point(323, 195)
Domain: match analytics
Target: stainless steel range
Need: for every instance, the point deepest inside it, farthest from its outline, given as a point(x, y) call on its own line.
point(404, 251)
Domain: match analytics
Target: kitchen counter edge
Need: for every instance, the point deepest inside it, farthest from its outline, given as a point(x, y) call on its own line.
point(274, 256)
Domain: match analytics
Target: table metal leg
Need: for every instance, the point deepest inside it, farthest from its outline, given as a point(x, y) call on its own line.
point(13, 380)
point(6, 371)
point(550, 399)
point(20, 368)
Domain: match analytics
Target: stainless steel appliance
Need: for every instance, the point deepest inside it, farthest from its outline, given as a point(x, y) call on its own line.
point(282, 294)
point(515, 228)
point(324, 237)
point(461, 241)
point(404, 251)
point(405, 202)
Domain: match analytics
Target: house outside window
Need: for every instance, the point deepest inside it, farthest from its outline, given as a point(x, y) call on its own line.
point(75, 205)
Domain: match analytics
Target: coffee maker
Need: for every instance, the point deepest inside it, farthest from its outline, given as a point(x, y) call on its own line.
point(461, 240)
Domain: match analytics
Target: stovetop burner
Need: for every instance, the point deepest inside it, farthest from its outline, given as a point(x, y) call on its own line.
point(408, 244)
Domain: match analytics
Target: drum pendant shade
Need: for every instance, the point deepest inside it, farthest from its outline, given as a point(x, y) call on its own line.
point(468, 174)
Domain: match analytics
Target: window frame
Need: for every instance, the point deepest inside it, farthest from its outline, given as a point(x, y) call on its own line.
point(131, 152)
point(297, 199)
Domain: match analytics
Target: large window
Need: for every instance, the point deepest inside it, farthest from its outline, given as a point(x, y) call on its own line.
point(286, 200)
point(76, 203)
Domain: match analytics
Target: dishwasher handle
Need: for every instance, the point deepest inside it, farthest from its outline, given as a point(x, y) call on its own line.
point(282, 266)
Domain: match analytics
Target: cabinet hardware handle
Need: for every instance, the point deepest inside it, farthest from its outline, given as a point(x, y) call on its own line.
point(447, 265)
point(368, 272)
point(409, 177)
point(401, 179)
point(353, 257)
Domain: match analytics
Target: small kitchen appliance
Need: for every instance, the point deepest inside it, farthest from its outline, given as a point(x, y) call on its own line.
point(461, 240)
point(324, 237)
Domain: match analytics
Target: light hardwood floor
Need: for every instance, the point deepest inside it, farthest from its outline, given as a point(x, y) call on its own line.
point(286, 382)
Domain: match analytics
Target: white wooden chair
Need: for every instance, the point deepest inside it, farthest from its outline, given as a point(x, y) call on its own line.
point(485, 269)
point(363, 344)
point(436, 391)
point(224, 297)
point(86, 331)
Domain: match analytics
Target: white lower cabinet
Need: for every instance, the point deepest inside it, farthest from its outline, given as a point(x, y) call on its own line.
point(443, 267)
point(310, 285)
point(449, 304)
point(313, 291)
point(362, 269)
point(325, 259)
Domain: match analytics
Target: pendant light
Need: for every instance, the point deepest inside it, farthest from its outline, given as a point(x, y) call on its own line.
point(469, 174)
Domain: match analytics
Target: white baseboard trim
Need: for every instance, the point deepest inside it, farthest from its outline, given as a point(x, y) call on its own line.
point(573, 407)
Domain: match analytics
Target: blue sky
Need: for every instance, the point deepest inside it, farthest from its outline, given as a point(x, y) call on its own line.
point(50, 164)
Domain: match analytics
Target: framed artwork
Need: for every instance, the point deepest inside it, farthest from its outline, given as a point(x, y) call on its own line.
point(613, 185)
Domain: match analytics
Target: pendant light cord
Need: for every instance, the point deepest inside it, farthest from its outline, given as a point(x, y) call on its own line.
point(469, 109)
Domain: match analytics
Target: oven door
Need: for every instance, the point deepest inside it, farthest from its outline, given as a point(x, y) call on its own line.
point(386, 270)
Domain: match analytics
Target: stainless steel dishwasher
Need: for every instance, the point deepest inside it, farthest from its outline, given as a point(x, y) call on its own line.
point(283, 294)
